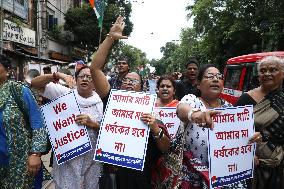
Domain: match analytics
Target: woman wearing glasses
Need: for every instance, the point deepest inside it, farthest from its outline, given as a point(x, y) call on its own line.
point(82, 171)
point(158, 140)
point(197, 119)
point(268, 102)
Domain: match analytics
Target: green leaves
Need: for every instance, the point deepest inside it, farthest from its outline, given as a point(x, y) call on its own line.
point(83, 23)
point(227, 28)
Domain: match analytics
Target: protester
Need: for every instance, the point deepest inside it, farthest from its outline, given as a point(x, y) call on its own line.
point(268, 102)
point(151, 84)
point(166, 92)
point(46, 70)
point(82, 171)
point(123, 68)
point(128, 178)
point(193, 112)
point(22, 133)
point(187, 85)
point(166, 98)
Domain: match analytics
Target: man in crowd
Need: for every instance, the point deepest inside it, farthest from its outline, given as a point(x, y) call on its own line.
point(47, 70)
point(188, 84)
point(123, 69)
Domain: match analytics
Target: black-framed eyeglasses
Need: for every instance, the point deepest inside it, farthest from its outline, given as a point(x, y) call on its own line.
point(85, 77)
point(211, 76)
point(127, 80)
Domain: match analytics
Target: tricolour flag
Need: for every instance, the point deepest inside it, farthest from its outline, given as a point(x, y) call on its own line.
point(98, 6)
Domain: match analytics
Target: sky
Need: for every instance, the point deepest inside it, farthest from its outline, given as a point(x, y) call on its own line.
point(157, 22)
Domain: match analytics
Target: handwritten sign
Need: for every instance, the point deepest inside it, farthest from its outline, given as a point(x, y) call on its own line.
point(123, 137)
point(67, 138)
point(169, 118)
point(228, 146)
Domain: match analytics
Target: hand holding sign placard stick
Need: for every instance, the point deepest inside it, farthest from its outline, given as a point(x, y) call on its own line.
point(68, 139)
point(123, 135)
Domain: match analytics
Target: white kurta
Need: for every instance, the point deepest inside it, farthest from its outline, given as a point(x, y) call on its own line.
point(81, 172)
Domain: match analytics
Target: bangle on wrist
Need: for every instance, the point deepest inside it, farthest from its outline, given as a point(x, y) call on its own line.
point(159, 135)
point(191, 111)
point(35, 154)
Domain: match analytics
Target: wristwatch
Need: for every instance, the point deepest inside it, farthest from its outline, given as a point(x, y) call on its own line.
point(191, 111)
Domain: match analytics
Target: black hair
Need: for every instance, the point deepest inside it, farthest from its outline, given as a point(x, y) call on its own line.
point(47, 68)
point(203, 69)
point(166, 77)
point(201, 73)
point(6, 62)
point(124, 58)
point(79, 70)
point(192, 61)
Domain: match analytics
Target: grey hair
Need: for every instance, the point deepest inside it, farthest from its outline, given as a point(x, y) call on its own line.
point(271, 59)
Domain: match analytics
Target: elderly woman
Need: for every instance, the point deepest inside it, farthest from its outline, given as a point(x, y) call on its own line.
point(22, 133)
point(82, 171)
point(268, 102)
point(129, 178)
point(193, 112)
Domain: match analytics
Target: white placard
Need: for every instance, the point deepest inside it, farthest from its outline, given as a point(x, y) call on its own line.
point(68, 139)
point(169, 118)
point(230, 154)
point(123, 136)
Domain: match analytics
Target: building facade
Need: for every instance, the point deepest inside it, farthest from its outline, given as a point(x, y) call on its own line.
point(33, 35)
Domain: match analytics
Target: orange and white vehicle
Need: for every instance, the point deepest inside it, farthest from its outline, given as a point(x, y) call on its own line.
point(241, 74)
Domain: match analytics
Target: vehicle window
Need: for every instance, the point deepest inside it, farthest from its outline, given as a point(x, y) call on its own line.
point(232, 79)
point(251, 79)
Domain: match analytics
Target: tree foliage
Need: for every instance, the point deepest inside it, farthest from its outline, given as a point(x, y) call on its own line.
point(83, 23)
point(226, 28)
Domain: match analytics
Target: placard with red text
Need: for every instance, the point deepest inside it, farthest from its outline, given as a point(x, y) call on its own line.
point(123, 137)
point(169, 118)
point(68, 139)
point(230, 154)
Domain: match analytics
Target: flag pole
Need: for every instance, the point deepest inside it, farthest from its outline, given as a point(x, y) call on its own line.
point(101, 28)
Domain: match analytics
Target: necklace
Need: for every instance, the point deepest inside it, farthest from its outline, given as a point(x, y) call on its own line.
point(211, 106)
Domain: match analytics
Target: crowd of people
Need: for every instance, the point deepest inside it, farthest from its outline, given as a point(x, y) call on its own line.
point(23, 137)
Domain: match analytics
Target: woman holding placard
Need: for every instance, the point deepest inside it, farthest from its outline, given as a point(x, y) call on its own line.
point(158, 140)
point(82, 171)
point(193, 112)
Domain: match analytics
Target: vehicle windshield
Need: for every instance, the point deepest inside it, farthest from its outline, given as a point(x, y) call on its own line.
point(232, 79)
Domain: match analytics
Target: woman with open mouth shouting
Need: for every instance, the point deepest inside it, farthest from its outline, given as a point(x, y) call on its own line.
point(166, 86)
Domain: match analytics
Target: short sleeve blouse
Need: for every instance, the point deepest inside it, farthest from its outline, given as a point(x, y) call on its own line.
point(195, 136)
